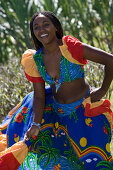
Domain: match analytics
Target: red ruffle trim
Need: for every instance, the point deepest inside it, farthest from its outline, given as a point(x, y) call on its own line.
point(75, 47)
point(105, 107)
point(9, 162)
point(34, 79)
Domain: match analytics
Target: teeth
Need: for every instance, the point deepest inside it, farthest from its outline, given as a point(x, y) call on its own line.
point(43, 35)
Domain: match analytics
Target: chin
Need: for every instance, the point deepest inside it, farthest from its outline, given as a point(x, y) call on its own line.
point(46, 42)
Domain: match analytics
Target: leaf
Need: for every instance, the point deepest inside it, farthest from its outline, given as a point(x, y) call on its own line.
point(48, 160)
point(40, 159)
point(104, 163)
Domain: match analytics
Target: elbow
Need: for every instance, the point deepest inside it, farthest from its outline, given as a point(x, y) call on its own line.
point(109, 65)
point(109, 62)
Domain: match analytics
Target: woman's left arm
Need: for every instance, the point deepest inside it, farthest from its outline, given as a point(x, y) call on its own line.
point(102, 57)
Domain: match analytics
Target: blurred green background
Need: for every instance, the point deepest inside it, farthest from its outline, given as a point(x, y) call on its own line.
point(91, 21)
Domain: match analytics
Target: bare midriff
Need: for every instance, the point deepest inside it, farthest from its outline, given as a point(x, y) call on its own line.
point(70, 92)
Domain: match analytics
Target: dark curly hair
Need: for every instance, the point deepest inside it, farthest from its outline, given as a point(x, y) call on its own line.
point(55, 22)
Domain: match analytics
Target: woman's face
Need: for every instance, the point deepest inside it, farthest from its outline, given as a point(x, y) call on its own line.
point(44, 29)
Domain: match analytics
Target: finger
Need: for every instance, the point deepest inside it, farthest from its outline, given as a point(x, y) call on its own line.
point(27, 136)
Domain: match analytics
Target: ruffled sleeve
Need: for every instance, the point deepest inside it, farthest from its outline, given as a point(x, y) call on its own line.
point(72, 50)
point(30, 68)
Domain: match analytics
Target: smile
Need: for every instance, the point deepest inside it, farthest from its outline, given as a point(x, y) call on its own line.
point(43, 35)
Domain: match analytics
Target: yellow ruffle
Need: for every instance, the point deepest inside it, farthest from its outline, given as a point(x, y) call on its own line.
point(109, 118)
point(97, 104)
point(19, 150)
point(3, 142)
point(29, 64)
point(92, 105)
point(67, 54)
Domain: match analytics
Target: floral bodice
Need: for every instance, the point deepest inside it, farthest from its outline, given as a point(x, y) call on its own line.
point(68, 71)
point(71, 64)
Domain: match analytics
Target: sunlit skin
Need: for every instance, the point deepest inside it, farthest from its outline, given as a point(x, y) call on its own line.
point(42, 25)
point(45, 32)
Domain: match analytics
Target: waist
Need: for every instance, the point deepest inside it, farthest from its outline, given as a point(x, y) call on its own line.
point(70, 92)
point(66, 109)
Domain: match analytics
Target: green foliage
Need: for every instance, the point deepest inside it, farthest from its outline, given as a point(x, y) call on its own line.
point(13, 86)
point(89, 21)
point(14, 32)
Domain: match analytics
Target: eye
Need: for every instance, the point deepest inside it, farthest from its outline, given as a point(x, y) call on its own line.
point(46, 25)
point(36, 28)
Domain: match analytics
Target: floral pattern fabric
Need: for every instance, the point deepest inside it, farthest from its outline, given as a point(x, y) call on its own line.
point(69, 141)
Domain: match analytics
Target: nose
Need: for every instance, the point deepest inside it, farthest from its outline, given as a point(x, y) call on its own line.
point(41, 28)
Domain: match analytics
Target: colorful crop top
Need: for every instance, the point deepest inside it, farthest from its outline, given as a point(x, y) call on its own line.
point(71, 64)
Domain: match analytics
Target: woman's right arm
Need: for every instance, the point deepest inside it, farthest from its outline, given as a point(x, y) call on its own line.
point(38, 109)
point(38, 101)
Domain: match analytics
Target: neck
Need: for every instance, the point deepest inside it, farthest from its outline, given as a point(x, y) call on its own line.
point(51, 48)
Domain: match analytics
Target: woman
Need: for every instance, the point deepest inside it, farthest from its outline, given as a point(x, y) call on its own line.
point(70, 125)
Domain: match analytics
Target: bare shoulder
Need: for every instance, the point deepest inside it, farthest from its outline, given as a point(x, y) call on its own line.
point(97, 55)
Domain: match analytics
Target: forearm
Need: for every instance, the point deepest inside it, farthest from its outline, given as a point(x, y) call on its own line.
point(108, 77)
point(38, 108)
point(100, 93)
point(104, 58)
point(38, 101)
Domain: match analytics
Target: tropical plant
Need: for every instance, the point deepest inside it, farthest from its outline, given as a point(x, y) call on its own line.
point(89, 21)
point(30, 159)
point(104, 164)
point(49, 153)
point(14, 26)
point(73, 160)
point(44, 138)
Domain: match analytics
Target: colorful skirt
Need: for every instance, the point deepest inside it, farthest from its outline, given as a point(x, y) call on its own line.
point(72, 136)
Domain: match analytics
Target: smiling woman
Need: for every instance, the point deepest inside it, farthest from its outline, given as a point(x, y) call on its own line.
point(43, 29)
point(66, 125)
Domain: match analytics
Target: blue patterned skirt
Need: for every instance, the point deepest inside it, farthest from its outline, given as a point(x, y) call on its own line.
point(67, 140)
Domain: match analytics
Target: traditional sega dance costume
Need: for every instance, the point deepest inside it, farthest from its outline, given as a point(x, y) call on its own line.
point(72, 136)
